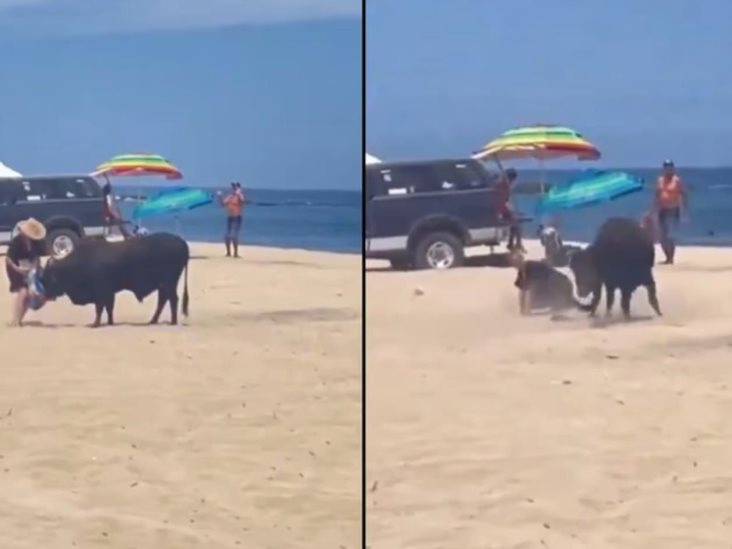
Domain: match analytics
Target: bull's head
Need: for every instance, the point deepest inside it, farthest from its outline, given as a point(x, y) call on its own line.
point(51, 280)
point(585, 274)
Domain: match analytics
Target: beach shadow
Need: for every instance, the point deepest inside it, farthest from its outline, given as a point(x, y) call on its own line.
point(497, 260)
point(608, 321)
point(284, 263)
point(43, 325)
point(692, 269)
point(299, 315)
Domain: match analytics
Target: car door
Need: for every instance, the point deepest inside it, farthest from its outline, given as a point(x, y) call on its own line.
point(476, 198)
point(397, 204)
point(11, 193)
point(370, 189)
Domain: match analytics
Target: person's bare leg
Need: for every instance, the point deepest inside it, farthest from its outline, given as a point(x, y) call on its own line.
point(123, 229)
point(519, 239)
point(19, 307)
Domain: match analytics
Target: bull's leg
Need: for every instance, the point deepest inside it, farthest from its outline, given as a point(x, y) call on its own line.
point(625, 295)
point(523, 302)
point(98, 308)
point(162, 299)
point(110, 310)
point(173, 300)
point(652, 297)
point(609, 299)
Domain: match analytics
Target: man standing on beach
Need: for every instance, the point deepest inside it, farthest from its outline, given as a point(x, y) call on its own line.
point(112, 215)
point(505, 210)
point(234, 203)
point(671, 206)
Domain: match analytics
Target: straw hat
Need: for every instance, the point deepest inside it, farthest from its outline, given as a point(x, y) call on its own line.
point(32, 228)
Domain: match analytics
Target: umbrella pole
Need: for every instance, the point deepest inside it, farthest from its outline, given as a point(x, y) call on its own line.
point(498, 163)
point(542, 181)
point(139, 200)
point(107, 228)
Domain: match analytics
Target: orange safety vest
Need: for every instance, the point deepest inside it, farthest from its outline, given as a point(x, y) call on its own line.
point(669, 191)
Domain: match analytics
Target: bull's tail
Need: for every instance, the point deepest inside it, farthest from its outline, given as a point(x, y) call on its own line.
point(581, 306)
point(184, 306)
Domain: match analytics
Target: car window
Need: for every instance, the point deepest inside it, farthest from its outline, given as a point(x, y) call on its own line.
point(372, 184)
point(461, 176)
point(85, 188)
point(33, 190)
point(400, 180)
point(10, 192)
point(471, 176)
point(57, 189)
point(429, 178)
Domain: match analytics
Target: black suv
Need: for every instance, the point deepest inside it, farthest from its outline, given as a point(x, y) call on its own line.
point(69, 206)
point(423, 214)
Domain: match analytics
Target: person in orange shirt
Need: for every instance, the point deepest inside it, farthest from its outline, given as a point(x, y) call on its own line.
point(670, 206)
point(233, 203)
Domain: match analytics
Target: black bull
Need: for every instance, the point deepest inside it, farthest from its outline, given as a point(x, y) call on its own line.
point(621, 257)
point(96, 270)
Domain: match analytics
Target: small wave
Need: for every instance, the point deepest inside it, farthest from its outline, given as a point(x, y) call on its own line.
point(720, 186)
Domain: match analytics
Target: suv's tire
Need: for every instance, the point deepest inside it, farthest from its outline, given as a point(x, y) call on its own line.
point(439, 251)
point(61, 242)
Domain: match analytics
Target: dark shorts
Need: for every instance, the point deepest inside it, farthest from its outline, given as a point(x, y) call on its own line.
point(17, 281)
point(669, 220)
point(233, 226)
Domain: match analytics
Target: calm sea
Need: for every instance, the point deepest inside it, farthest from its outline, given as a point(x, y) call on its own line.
point(310, 220)
point(710, 199)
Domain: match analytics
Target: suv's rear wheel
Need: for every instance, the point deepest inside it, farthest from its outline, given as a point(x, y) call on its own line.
point(61, 242)
point(439, 251)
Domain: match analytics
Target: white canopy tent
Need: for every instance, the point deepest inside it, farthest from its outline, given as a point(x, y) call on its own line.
point(5, 171)
point(371, 160)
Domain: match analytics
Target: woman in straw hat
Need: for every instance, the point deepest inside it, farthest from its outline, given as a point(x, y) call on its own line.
point(24, 254)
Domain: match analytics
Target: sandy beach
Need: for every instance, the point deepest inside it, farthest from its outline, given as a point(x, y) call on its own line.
point(240, 428)
point(489, 430)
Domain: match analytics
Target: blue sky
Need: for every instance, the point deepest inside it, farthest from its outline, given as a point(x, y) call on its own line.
point(643, 80)
point(266, 91)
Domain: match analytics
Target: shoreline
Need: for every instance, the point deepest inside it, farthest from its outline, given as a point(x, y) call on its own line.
point(273, 247)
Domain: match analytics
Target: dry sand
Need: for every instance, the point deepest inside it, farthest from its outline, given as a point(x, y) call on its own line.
point(489, 430)
point(239, 429)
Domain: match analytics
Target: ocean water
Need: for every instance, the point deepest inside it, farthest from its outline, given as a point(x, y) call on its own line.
point(710, 201)
point(310, 220)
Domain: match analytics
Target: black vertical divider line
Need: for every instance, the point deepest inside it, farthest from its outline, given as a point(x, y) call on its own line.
point(363, 275)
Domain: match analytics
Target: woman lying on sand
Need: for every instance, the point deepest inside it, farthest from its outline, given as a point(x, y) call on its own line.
point(541, 287)
point(22, 258)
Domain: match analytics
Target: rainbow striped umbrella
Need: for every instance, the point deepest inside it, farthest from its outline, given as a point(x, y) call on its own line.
point(138, 165)
point(542, 142)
